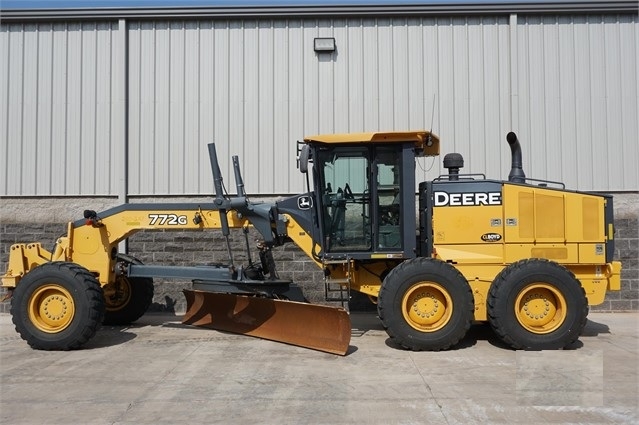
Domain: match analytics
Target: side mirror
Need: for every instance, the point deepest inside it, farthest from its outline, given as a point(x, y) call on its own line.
point(305, 153)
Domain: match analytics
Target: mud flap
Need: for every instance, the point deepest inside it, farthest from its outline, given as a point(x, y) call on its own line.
point(312, 326)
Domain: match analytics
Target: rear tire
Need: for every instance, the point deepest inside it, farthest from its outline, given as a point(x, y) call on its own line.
point(537, 304)
point(128, 298)
point(57, 306)
point(425, 304)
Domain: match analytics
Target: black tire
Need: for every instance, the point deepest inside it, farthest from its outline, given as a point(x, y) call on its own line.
point(425, 304)
point(57, 306)
point(537, 304)
point(128, 298)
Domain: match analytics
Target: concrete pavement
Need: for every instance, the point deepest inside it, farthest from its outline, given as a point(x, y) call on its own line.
point(159, 371)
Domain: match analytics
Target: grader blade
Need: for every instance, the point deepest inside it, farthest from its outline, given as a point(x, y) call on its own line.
point(312, 326)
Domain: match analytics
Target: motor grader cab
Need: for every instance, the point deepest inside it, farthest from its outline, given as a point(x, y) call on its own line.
point(527, 258)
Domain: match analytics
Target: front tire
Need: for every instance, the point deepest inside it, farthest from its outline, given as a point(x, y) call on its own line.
point(128, 298)
point(537, 304)
point(425, 304)
point(57, 306)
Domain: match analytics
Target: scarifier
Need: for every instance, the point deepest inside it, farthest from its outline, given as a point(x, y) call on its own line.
point(525, 255)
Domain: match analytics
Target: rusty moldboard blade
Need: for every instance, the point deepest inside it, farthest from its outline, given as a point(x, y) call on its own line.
point(312, 326)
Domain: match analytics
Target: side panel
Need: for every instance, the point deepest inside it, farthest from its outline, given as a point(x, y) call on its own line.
point(566, 227)
point(467, 221)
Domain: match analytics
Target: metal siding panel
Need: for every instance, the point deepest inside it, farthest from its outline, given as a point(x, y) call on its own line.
point(476, 77)
point(355, 76)
point(507, 115)
point(55, 107)
point(283, 152)
point(430, 78)
point(522, 99)
point(88, 111)
point(256, 86)
point(552, 113)
point(567, 97)
point(585, 67)
point(325, 82)
point(493, 103)
point(461, 86)
point(144, 149)
point(136, 121)
point(29, 169)
point(59, 99)
point(628, 147)
point(599, 118)
point(43, 168)
point(248, 145)
point(74, 115)
point(224, 103)
point(341, 75)
point(175, 163)
point(119, 110)
point(582, 104)
point(385, 82)
point(296, 99)
point(400, 63)
point(371, 77)
point(237, 73)
point(311, 96)
point(198, 103)
point(266, 108)
point(163, 118)
point(621, 98)
point(103, 165)
point(446, 88)
point(415, 74)
point(15, 83)
point(613, 103)
point(431, 72)
point(4, 107)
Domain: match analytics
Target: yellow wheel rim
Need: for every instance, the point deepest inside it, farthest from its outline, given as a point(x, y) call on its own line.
point(427, 306)
point(540, 308)
point(117, 295)
point(51, 308)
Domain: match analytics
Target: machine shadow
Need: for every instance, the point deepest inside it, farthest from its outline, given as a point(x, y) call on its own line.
point(109, 336)
point(593, 328)
point(477, 332)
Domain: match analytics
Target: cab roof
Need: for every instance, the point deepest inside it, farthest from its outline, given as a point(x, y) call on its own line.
point(424, 140)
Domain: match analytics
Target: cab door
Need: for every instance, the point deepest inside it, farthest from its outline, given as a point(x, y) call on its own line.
point(360, 191)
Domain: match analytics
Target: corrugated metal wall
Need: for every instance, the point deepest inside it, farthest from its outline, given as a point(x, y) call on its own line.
point(59, 116)
point(567, 85)
point(577, 99)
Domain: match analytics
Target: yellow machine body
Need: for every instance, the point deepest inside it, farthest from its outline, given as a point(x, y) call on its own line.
point(528, 258)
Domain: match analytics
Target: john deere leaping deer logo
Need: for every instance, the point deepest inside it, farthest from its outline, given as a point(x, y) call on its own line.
point(304, 202)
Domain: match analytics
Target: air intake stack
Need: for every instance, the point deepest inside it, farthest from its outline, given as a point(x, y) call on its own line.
point(516, 171)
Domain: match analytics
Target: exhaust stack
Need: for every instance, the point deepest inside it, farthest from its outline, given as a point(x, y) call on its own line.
point(516, 171)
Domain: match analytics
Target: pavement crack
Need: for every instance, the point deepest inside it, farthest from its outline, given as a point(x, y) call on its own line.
point(430, 390)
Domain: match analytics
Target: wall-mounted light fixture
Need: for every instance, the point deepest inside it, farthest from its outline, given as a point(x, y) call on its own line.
point(324, 44)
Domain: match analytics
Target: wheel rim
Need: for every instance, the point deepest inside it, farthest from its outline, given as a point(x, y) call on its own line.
point(117, 295)
point(540, 308)
point(427, 306)
point(51, 308)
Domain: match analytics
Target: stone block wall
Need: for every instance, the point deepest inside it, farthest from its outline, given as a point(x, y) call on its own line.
point(206, 247)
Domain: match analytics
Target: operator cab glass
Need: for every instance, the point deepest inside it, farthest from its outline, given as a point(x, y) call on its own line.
point(361, 198)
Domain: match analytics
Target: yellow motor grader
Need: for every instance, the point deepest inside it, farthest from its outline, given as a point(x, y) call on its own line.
point(525, 255)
